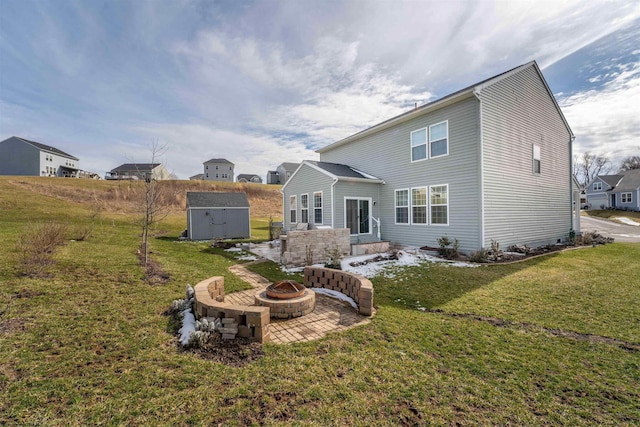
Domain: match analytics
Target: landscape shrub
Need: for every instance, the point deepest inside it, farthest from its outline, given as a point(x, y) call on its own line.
point(448, 248)
point(37, 245)
point(334, 259)
point(481, 255)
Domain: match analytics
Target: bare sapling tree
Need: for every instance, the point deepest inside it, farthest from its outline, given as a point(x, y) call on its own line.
point(629, 163)
point(154, 208)
point(588, 166)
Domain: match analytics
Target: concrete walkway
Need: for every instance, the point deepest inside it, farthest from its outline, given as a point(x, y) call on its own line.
point(330, 315)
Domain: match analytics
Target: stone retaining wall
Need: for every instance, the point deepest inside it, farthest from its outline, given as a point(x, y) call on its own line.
point(296, 245)
point(357, 287)
point(252, 321)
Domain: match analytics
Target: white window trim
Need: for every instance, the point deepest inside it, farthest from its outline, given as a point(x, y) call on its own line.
point(302, 208)
point(630, 199)
point(447, 205)
point(321, 207)
point(599, 186)
point(536, 148)
point(426, 206)
point(429, 141)
point(293, 207)
point(426, 143)
point(395, 206)
point(370, 200)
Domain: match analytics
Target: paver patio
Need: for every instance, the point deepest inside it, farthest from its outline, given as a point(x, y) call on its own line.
point(329, 315)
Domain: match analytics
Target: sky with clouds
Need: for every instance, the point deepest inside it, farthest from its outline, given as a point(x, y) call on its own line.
point(264, 82)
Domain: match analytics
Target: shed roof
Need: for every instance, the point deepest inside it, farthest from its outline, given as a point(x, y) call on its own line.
point(212, 199)
point(47, 148)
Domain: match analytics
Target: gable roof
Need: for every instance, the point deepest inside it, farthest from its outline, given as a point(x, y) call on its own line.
point(217, 161)
point(337, 171)
point(212, 199)
point(629, 181)
point(467, 92)
point(610, 180)
point(136, 167)
point(288, 166)
point(47, 148)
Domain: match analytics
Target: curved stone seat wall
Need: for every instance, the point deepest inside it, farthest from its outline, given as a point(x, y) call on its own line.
point(357, 287)
point(252, 321)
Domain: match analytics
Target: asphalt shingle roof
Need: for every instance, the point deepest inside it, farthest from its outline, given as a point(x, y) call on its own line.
point(211, 199)
point(218, 161)
point(136, 167)
point(341, 171)
point(48, 148)
point(630, 181)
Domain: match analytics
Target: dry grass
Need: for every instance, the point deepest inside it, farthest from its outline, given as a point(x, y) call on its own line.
point(126, 196)
point(36, 246)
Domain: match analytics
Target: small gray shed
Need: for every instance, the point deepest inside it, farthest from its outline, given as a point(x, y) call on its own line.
point(213, 215)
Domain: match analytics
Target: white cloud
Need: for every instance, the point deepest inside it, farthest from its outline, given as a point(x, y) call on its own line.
point(606, 121)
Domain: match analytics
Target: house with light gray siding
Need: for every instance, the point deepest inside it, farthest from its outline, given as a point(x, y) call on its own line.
point(19, 156)
point(218, 170)
point(620, 191)
point(491, 162)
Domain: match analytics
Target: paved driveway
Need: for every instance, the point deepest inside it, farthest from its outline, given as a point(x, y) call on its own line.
point(620, 232)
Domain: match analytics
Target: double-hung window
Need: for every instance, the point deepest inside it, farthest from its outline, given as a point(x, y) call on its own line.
point(304, 208)
point(418, 145)
point(293, 209)
point(317, 207)
point(419, 205)
point(439, 195)
point(430, 142)
point(536, 158)
point(626, 197)
point(439, 139)
point(597, 186)
point(402, 206)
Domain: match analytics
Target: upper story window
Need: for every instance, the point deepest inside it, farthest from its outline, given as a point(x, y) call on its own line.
point(418, 145)
point(439, 139)
point(536, 158)
point(435, 136)
point(402, 206)
point(626, 197)
point(317, 207)
point(597, 186)
point(304, 208)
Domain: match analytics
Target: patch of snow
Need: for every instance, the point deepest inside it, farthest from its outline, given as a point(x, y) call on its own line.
point(188, 327)
point(336, 294)
point(247, 258)
point(627, 221)
point(233, 250)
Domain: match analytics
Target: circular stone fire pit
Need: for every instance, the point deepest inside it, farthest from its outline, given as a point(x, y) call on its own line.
point(287, 299)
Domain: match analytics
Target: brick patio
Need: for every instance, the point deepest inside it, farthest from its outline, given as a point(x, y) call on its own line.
point(330, 315)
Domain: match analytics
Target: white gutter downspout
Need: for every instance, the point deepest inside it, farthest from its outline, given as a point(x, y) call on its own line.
point(481, 180)
point(333, 204)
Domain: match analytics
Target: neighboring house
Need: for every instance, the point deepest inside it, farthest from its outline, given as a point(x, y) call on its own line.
point(218, 170)
point(19, 156)
point(246, 177)
point(197, 177)
point(212, 215)
point(282, 173)
point(621, 191)
point(143, 171)
point(491, 162)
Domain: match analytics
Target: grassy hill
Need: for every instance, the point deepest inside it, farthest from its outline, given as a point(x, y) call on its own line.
point(550, 341)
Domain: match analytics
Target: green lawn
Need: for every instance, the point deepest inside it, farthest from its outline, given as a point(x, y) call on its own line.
point(89, 344)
